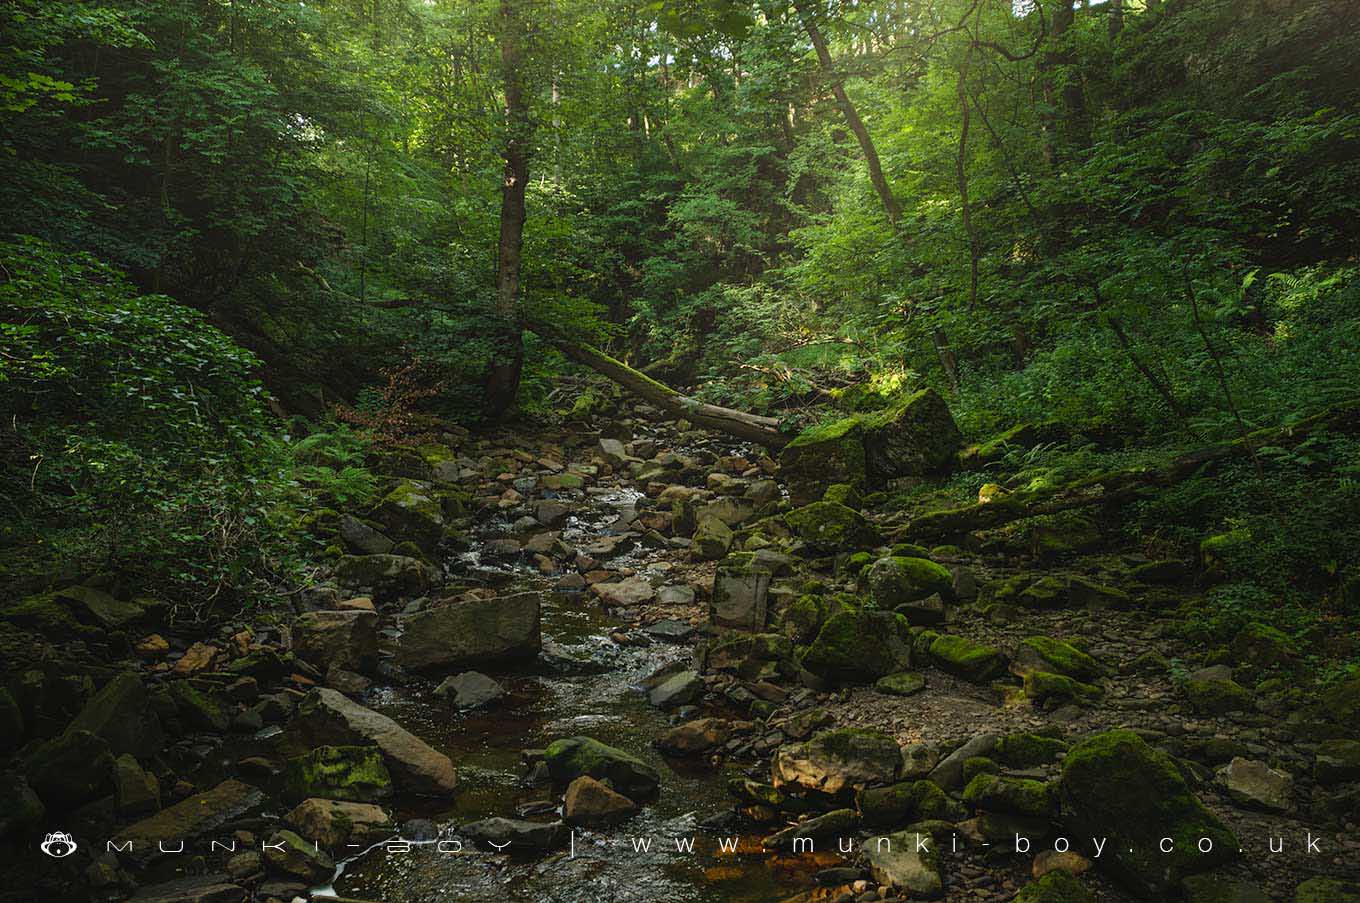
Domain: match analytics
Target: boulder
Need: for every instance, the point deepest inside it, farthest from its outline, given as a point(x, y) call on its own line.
point(900, 580)
point(1056, 886)
point(361, 538)
point(136, 791)
point(512, 836)
point(903, 683)
point(338, 773)
point(575, 757)
point(833, 453)
point(471, 631)
point(189, 819)
point(1041, 653)
point(386, 577)
point(740, 590)
point(120, 715)
point(1011, 796)
point(335, 823)
point(342, 639)
point(910, 801)
point(1255, 785)
point(908, 861)
point(828, 527)
point(712, 539)
point(328, 718)
point(836, 823)
point(837, 762)
point(1042, 686)
point(1337, 762)
point(100, 608)
point(860, 646)
point(949, 772)
point(1327, 890)
point(682, 688)
point(694, 737)
point(288, 853)
point(627, 593)
point(70, 770)
point(966, 659)
point(198, 709)
point(1216, 695)
point(1114, 784)
point(470, 690)
point(589, 802)
point(1218, 888)
point(411, 512)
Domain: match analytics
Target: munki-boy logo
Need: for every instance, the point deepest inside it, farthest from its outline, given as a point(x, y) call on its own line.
point(58, 845)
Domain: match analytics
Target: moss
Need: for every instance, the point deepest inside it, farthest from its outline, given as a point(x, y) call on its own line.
point(977, 765)
point(199, 710)
point(46, 615)
point(1217, 551)
point(1342, 702)
point(1027, 750)
point(1214, 696)
point(1044, 593)
point(897, 580)
point(921, 644)
point(339, 773)
point(1263, 646)
point(1327, 890)
point(749, 791)
point(964, 658)
point(1015, 796)
point(1115, 784)
point(830, 527)
point(903, 683)
point(844, 494)
point(829, 454)
point(1058, 657)
point(573, 757)
point(909, 801)
point(1056, 886)
point(1041, 686)
point(859, 646)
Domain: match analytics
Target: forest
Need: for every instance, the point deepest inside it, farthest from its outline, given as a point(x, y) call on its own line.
point(547, 423)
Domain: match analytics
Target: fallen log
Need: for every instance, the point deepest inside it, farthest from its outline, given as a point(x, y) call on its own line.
point(750, 427)
point(1115, 486)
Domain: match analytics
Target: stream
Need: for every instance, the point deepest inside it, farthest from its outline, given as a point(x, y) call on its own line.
point(544, 704)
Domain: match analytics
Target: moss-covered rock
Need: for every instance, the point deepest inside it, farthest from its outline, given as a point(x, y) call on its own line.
point(121, 714)
point(829, 454)
point(1016, 796)
point(964, 658)
point(70, 770)
point(1218, 552)
point(1113, 784)
point(903, 683)
point(1327, 890)
point(712, 539)
point(976, 765)
point(912, 437)
point(1045, 593)
point(45, 614)
point(1056, 886)
point(1337, 761)
point(289, 854)
point(860, 646)
point(898, 580)
point(1042, 686)
point(1027, 750)
point(386, 577)
point(339, 773)
point(1263, 646)
point(1217, 696)
point(412, 512)
point(909, 801)
point(827, 527)
point(573, 757)
point(844, 494)
point(1041, 653)
point(197, 709)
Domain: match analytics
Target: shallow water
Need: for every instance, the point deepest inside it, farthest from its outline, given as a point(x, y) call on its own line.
point(636, 861)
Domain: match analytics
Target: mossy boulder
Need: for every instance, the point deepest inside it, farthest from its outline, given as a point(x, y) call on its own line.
point(198, 709)
point(1263, 646)
point(1113, 784)
point(1327, 890)
point(712, 539)
point(751, 656)
point(386, 577)
point(844, 494)
point(1041, 653)
point(860, 647)
point(961, 657)
point(898, 580)
point(1217, 695)
point(98, 607)
point(574, 757)
point(829, 454)
point(977, 765)
point(121, 714)
point(289, 854)
point(412, 512)
point(48, 616)
point(1027, 750)
point(838, 761)
point(1219, 552)
point(1014, 796)
point(1338, 761)
point(906, 802)
point(1056, 886)
point(903, 683)
point(1043, 686)
point(828, 527)
point(355, 773)
point(70, 770)
point(1341, 703)
point(914, 436)
point(804, 617)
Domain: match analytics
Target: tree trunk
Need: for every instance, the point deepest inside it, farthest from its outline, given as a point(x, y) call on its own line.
point(507, 359)
point(866, 142)
point(750, 427)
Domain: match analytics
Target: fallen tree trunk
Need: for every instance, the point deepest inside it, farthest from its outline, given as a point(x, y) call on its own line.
point(1105, 488)
point(751, 427)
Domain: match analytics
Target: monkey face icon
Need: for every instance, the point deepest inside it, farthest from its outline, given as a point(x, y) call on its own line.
point(58, 845)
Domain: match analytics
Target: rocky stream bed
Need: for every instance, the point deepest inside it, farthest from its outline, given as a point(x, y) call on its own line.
point(548, 661)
